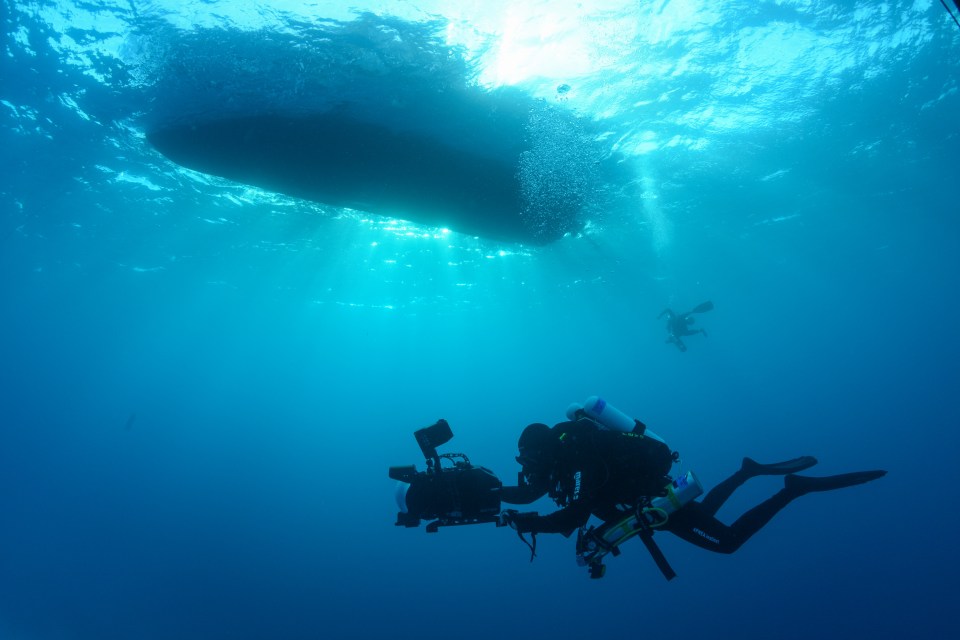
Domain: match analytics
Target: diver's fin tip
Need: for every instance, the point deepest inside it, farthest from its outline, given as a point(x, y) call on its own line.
point(807, 484)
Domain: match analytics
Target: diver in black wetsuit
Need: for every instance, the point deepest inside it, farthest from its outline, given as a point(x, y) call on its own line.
point(590, 471)
point(678, 325)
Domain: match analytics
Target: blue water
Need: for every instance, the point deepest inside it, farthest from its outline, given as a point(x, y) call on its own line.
point(204, 383)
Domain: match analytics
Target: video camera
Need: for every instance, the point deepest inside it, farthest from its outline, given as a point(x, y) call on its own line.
point(453, 495)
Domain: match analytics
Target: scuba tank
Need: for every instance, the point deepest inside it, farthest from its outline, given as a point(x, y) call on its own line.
point(679, 492)
point(609, 417)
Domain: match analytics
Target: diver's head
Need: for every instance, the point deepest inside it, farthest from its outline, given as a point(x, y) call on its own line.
point(538, 446)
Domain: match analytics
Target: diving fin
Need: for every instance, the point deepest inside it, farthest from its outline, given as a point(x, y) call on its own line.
point(703, 307)
point(754, 468)
point(801, 485)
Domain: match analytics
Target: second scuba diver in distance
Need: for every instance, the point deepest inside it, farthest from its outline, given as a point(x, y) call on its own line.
point(588, 468)
point(678, 324)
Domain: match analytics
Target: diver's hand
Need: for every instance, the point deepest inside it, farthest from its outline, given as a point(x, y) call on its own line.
point(506, 518)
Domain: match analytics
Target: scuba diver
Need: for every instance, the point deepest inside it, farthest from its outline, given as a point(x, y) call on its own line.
point(678, 325)
point(599, 463)
point(619, 476)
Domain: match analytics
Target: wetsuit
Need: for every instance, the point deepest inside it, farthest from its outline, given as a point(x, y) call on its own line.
point(696, 522)
point(598, 472)
point(678, 325)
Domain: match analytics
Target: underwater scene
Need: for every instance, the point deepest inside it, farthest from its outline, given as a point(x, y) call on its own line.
point(284, 283)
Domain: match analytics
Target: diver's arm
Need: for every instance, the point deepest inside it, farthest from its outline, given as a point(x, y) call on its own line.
point(522, 494)
point(667, 312)
point(564, 521)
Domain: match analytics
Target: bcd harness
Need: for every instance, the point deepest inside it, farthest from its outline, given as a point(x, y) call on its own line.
point(650, 461)
point(595, 543)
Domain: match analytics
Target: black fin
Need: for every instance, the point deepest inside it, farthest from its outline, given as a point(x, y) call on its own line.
point(754, 468)
point(805, 484)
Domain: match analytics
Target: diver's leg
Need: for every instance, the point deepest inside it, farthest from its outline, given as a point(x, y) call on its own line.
point(695, 525)
point(720, 493)
point(793, 487)
point(750, 468)
point(700, 527)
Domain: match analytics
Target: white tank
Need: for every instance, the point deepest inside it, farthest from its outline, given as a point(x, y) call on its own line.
point(607, 416)
point(679, 492)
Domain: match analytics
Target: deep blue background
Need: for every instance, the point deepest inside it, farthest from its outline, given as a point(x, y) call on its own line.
point(203, 386)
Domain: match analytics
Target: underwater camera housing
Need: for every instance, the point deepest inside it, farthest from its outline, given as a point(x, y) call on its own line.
point(452, 495)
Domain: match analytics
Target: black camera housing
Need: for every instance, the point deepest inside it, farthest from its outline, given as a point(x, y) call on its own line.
point(455, 495)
